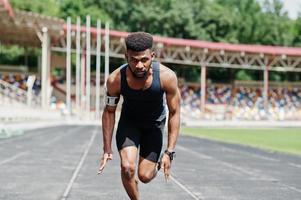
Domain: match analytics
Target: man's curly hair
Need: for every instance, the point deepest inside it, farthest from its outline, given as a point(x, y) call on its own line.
point(139, 41)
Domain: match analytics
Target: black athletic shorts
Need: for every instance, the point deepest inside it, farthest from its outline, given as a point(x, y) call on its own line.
point(146, 135)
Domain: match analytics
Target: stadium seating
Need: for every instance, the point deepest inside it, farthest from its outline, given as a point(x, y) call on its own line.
point(223, 101)
point(243, 103)
point(20, 80)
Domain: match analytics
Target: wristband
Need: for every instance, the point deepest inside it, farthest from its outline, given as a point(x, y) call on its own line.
point(171, 154)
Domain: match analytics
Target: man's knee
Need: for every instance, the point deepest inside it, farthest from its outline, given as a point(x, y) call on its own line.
point(128, 170)
point(146, 177)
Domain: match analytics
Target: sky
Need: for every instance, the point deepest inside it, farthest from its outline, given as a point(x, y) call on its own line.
point(292, 6)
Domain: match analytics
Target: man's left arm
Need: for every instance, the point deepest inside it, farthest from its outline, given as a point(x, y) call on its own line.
point(173, 102)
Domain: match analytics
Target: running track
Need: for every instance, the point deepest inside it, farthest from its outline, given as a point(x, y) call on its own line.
point(61, 162)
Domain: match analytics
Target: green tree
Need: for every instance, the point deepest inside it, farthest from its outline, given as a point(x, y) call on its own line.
point(297, 32)
point(246, 21)
point(75, 8)
point(11, 55)
point(234, 21)
point(276, 27)
point(45, 7)
point(168, 18)
point(243, 75)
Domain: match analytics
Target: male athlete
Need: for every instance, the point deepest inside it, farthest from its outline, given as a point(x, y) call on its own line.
point(142, 82)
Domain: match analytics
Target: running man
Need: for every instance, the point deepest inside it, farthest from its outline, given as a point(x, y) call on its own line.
point(142, 82)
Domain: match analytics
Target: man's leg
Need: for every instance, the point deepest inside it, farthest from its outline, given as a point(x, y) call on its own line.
point(150, 149)
point(128, 157)
point(147, 170)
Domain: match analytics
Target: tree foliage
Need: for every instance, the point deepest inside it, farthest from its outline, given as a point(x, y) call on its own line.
point(45, 7)
point(235, 21)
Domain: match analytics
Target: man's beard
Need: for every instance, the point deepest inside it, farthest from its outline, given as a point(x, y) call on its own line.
point(140, 74)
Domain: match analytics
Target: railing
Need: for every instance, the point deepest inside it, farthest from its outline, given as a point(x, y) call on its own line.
point(16, 94)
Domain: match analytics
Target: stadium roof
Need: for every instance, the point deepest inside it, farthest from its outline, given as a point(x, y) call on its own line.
point(23, 28)
point(5, 7)
point(19, 27)
point(215, 46)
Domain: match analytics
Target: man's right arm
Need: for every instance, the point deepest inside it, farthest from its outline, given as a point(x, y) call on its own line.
point(108, 116)
point(108, 122)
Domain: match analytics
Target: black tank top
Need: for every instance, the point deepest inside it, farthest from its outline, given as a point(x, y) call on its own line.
point(143, 105)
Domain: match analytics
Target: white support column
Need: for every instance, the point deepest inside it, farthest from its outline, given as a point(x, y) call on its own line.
point(78, 34)
point(88, 67)
point(39, 60)
point(45, 68)
point(29, 83)
point(68, 67)
point(107, 49)
point(97, 92)
point(48, 81)
point(203, 87)
point(266, 87)
point(82, 82)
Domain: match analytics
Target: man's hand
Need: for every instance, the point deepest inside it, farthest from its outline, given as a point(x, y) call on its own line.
point(166, 164)
point(105, 157)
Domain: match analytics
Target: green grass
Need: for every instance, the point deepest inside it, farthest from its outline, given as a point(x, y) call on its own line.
point(286, 140)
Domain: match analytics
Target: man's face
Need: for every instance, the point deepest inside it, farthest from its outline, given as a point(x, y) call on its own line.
point(140, 61)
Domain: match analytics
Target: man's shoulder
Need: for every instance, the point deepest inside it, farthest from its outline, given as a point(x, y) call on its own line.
point(166, 72)
point(115, 75)
point(115, 78)
point(168, 78)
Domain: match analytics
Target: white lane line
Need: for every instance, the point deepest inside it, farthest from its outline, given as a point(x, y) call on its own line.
point(13, 158)
point(185, 189)
point(290, 187)
point(295, 165)
point(202, 156)
point(53, 140)
point(259, 156)
point(248, 172)
point(79, 166)
point(28, 135)
point(251, 154)
point(61, 135)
